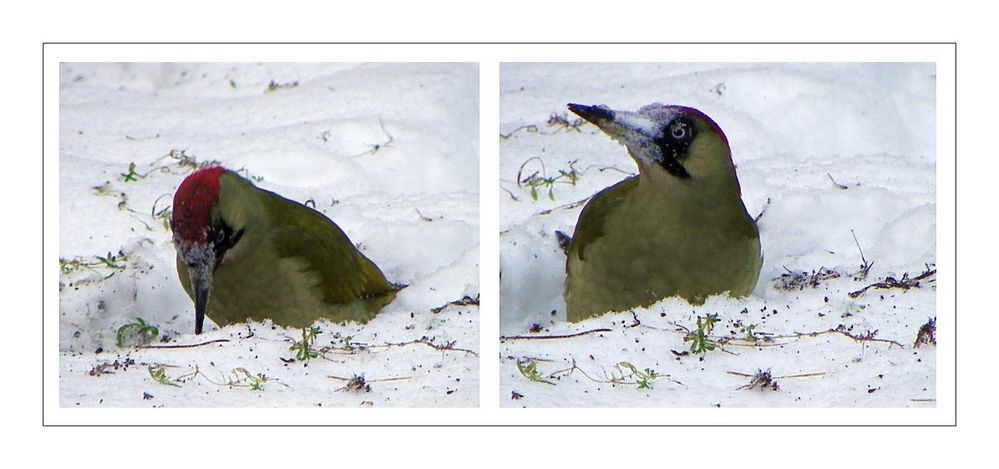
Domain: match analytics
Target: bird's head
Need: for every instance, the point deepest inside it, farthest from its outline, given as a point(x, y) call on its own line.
point(200, 234)
point(682, 141)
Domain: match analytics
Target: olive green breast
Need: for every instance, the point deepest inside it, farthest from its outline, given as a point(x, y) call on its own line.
point(636, 243)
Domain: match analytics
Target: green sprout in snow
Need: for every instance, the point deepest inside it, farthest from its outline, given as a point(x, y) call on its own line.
point(529, 368)
point(254, 381)
point(644, 378)
point(111, 261)
point(131, 175)
point(540, 179)
point(68, 266)
point(158, 373)
point(144, 333)
point(303, 348)
point(699, 341)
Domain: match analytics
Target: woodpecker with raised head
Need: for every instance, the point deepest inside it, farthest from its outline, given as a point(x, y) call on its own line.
point(244, 253)
point(678, 228)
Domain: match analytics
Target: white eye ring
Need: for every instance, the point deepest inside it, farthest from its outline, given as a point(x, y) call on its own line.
point(678, 132)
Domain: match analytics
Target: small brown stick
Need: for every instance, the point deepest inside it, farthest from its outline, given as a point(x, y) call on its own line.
point(532, 128)
point(762, 211)
point(838, 185)
point(378, 146)
point(770, 340)
point(464, 301)
point(551, 337)
point(602, 168)
point(176, 346)
point(510, 193)
point(865, 268)
point(383, 380)
point(904, 283)
point(422, 216)
point(763, 380)
point(746, 342)
point(448, 347)
point(568, 206)
point(356, 347)
point(869, 337)
point(806, 375)
point(359, 383)
point(635, 321)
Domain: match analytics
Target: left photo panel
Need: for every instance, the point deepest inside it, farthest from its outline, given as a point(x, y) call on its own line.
point(268, 235)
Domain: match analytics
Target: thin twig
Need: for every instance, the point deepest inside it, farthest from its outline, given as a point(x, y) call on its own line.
point(176, 346)
point(762, 211)
point(448, 347)
point(378, 146)
point(568, 206)
point(355, 347)
point(806, 375)
point(869, 337)
point(551, 337)
point(838, 185)
point(866, 267)
point(603, 168)
point(636, 322)
point(532, 128)
point(383, 380)
point(904, 283)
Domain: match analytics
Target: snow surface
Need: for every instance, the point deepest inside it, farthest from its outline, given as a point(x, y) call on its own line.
point(794, 130)
point(388, 151)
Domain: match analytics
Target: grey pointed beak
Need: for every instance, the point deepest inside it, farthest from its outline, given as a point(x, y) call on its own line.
point(595, 115)
point(201, 283)
point(623, 126)
point(200, 260)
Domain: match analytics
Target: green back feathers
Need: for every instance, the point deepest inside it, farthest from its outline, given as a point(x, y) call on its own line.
point(303, 234)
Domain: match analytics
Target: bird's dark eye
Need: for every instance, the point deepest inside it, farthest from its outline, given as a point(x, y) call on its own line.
point(673, 143)
point(223, 239)
point(681, 130)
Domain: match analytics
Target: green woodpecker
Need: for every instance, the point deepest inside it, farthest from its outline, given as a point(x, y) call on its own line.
point(244, 253)
point(678, 228)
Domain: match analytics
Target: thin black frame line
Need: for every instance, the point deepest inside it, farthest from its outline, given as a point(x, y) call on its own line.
point(499, 43)
point(955, 235)
point(952, 43)
point(43, 235)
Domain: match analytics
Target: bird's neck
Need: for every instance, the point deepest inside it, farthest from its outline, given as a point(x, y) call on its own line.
point(705, 198)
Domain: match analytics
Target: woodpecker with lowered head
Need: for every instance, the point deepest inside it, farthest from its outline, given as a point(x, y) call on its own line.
point(244, 253)
point(678, 228)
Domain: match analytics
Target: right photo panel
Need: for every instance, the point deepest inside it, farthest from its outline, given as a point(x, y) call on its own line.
point(718, 234)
